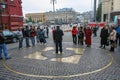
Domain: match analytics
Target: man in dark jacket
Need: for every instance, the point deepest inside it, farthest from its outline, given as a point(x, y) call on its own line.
point(58, 33)
point(104, 36)
point(27, 36)
point(3, 47)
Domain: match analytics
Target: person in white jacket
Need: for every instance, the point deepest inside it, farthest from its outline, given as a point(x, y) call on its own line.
point(112, 38)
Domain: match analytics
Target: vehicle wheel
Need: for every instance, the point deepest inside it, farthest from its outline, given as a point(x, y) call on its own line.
point(14, 40)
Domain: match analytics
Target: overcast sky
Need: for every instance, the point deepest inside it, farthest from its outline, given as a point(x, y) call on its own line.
point(33, 6)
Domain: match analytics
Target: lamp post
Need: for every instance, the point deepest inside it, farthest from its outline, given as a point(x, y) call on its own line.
point(95, 10)
point(53, 3)
point(2, 7)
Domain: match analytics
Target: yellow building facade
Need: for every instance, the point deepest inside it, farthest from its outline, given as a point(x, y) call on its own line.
point(36, 17)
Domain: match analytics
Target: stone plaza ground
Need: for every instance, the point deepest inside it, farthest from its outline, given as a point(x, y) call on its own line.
point(76, 63)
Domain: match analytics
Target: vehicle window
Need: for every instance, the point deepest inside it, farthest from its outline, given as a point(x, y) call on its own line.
point(7, 33)
point(10, 33)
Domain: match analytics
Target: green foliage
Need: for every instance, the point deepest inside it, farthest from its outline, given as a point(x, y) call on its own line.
point(99, 12)
point(30, 19)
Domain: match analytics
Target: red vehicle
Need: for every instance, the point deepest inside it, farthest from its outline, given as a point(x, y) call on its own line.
point(93, 24)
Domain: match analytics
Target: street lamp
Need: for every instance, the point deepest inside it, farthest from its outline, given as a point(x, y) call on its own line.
point(53, 3)
point(2, 7)
point(95, 10)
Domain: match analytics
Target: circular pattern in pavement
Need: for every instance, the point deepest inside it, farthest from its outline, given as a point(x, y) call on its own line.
point(34, 62)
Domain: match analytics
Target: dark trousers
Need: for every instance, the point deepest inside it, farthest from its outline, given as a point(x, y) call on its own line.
point(112, 45)
point(58, 46)
point(118, 39)
point(27, 42)
point(74, 39)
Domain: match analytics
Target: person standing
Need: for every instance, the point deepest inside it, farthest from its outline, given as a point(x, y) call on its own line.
point(41, 36)
point(118, 35)
point(74, 34)
point(95, 31)
point(3, 47)
point(88, 34)
point(53, 30)
point(27, 36)
point(47, 31)
point(104, 37)
point(32, 35)
point(80, 35)
point(112, 38)
point(20, 37)
point(58, 33)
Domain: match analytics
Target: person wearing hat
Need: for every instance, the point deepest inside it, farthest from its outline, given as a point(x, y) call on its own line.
point(58, 33)
point(3, 47)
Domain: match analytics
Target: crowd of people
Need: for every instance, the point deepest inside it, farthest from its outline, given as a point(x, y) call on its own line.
point(81, 34)
point(40, 34)
point(110, 35)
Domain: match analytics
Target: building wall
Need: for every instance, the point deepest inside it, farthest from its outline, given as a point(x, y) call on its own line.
point(12, 17)
point(116, 5)
point(36, 17)
point(58, 17)
point(110, 8)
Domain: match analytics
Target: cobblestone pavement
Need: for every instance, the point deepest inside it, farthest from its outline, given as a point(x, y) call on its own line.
point(76, 63)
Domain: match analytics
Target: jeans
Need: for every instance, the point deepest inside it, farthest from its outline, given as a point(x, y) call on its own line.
point(4, 49)
point(33, 40)
point(20, 42)
point(74, 39)
point(27, 42)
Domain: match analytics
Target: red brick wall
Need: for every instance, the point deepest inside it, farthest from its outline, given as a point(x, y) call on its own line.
point(12, 16)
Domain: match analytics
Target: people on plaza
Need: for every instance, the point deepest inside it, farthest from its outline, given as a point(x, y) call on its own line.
point(3, 47)
point(37, 34)
point(118, 35)
point(112, 38)
point(58, 33)
point(80, 36)
point(53, 30)
point(45, 32)
point(32, 35)
point(88, 34)
point(23, 32)
point(20, 38)
point(104, 37)
point(40, 34)
point(47, 28)
point(95, 31)
point(27, 36)
point(74, 34)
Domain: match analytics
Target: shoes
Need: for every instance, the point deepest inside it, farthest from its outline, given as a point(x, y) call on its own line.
point(104, 47)
point(1, 58)
point(100, 47)
point(20, 48)
point(7, 58)
point(88, 46)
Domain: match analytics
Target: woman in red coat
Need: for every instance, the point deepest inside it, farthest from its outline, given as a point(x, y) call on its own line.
point(88, 34)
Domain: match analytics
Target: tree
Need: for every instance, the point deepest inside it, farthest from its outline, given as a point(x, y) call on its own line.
point(99, 12)
point(30, 19)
